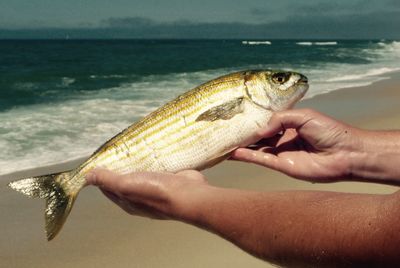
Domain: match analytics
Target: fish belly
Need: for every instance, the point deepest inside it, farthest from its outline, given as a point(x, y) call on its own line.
point(187, 144)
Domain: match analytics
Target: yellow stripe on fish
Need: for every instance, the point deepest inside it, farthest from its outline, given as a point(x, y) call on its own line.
point(196, 130)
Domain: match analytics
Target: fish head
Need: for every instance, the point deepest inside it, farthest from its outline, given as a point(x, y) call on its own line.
point(275, 90)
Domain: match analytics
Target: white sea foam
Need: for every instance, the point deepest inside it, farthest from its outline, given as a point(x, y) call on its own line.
point(334, 43)
point(93, 76)
point(25, 85)
point(360, 76)
point(252, 43)
point(330, 43)
point(39, 135)
point(384, 59)
point(304, 43)
point(50, 134)
point(66, 81)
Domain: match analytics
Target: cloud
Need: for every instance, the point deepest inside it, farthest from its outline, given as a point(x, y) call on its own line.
point(394, 3)
point(331, 8)
point(127, 22)
point(293, 10)
point(320, 25)
point(261, 12)
point(379, 24)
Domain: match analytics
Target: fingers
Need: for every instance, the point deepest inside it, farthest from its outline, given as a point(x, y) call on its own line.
point(280, 121)
point(257, 157)
point(276, 140)
point(133, 208)
point(105, 179)
point(270, 142)
point(113, 197)
point(137, 186)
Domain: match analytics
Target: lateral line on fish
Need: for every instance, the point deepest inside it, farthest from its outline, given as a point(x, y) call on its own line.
point(155, 131)
point(185, 142)
point(190, 133)
point(153, 123)
point(178, 141)
point(147, 135)
point(184, 102)
point(172, 132)
point(187, 113)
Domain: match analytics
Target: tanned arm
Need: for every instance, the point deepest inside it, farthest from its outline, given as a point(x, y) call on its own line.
point(293, 228)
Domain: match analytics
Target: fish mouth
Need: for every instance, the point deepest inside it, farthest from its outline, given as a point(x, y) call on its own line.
point(303, 80)
point(301, 86)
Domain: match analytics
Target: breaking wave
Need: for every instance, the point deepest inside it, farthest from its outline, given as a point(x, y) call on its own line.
point(330, 43)
point(252, 43)
point(42, 134)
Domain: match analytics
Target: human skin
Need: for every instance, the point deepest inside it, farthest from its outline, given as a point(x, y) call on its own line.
point(293, 228)
point(311, 146)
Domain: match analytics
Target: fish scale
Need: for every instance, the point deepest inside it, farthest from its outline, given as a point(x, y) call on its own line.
point(196, 130)
point(148, 135)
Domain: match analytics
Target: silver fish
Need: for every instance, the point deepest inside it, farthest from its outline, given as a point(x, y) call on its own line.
point(194, 131)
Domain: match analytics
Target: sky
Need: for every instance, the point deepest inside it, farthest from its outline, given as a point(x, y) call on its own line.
point(213, 18)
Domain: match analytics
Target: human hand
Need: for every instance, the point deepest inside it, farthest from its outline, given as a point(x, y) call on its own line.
point(280, 227)
point(150, 194)
point(304, 144)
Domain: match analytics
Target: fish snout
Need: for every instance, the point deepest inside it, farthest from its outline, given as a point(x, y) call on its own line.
point(303, 79)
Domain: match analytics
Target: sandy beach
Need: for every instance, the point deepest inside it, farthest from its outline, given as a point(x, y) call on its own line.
point(99, 234)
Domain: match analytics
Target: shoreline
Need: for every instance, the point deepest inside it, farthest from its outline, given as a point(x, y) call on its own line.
point(318, 102)
point(348, 99)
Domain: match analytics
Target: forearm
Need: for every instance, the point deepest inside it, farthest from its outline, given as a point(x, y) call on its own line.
point(302, 228)
point(376, 158)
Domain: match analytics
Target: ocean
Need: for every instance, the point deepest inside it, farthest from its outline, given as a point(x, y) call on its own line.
point(61, 99)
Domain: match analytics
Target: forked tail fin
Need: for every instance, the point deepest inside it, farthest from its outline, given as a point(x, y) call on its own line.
point(59, 200)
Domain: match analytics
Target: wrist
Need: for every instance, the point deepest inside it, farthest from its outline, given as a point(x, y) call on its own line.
point(376, 156)
point(214, 209)
point(187, 203)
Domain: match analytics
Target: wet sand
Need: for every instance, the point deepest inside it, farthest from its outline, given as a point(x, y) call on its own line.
point(98, 233)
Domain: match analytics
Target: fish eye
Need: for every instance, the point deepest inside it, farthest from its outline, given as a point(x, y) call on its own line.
point(280, 78)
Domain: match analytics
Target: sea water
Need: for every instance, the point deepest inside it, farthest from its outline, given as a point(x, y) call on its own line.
point(61, 99)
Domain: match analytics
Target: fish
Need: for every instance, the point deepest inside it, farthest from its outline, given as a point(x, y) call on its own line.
point(196, 130)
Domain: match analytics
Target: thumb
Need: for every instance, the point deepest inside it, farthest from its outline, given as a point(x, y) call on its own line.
point(103, 178)
point(280, 121)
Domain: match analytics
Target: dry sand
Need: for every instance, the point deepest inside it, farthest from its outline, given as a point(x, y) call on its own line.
point(98, 234)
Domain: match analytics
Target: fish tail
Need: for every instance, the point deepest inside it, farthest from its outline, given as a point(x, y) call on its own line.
point(59, 197)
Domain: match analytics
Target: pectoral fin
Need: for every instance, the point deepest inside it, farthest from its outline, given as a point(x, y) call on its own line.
point(224, 111)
